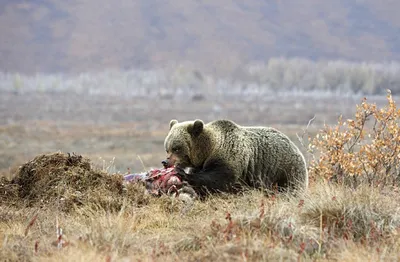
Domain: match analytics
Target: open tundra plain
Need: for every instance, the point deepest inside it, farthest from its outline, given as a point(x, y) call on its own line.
point(118, 120)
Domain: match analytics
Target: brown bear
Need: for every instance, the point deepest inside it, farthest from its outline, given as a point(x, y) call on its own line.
point(225, 156)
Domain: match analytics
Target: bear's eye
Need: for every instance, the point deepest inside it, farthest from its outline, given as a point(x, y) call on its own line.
point(176, 149)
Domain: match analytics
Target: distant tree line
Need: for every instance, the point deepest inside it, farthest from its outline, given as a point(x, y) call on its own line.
point(276, 75)
point(303, 74)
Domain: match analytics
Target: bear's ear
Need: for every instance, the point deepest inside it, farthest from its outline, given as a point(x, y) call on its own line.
point(172, 123)
point(196, 128)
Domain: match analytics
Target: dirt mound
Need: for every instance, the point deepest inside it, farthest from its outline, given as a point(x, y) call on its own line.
point(65, 181)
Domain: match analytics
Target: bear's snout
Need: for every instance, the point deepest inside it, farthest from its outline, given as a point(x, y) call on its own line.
point(169, 162)
point(165, 163)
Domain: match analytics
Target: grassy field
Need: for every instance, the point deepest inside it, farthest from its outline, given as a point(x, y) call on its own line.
point(325, 224)
point(121, 129)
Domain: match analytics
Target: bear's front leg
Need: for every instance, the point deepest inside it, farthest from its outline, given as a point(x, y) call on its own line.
point(214, 177)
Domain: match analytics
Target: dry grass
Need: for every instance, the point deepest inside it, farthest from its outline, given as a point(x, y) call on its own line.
point(327, 223)
point(103, 222)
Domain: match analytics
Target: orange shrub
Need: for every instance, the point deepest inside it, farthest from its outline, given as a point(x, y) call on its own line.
point(363, 149)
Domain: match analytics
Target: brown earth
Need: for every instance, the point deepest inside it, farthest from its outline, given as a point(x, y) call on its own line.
point(63, 182)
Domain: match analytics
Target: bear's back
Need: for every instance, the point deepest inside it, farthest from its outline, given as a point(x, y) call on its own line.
point(246, 136)
point(260, 152)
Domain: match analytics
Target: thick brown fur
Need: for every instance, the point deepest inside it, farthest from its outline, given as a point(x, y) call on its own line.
point(225, 156)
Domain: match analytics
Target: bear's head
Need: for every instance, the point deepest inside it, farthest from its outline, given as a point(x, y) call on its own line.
point(186, 144)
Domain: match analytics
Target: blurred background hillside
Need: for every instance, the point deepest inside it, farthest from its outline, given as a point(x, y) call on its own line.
point(212, 36)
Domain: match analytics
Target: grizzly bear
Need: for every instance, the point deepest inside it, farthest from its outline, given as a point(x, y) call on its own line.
point(226, 157)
